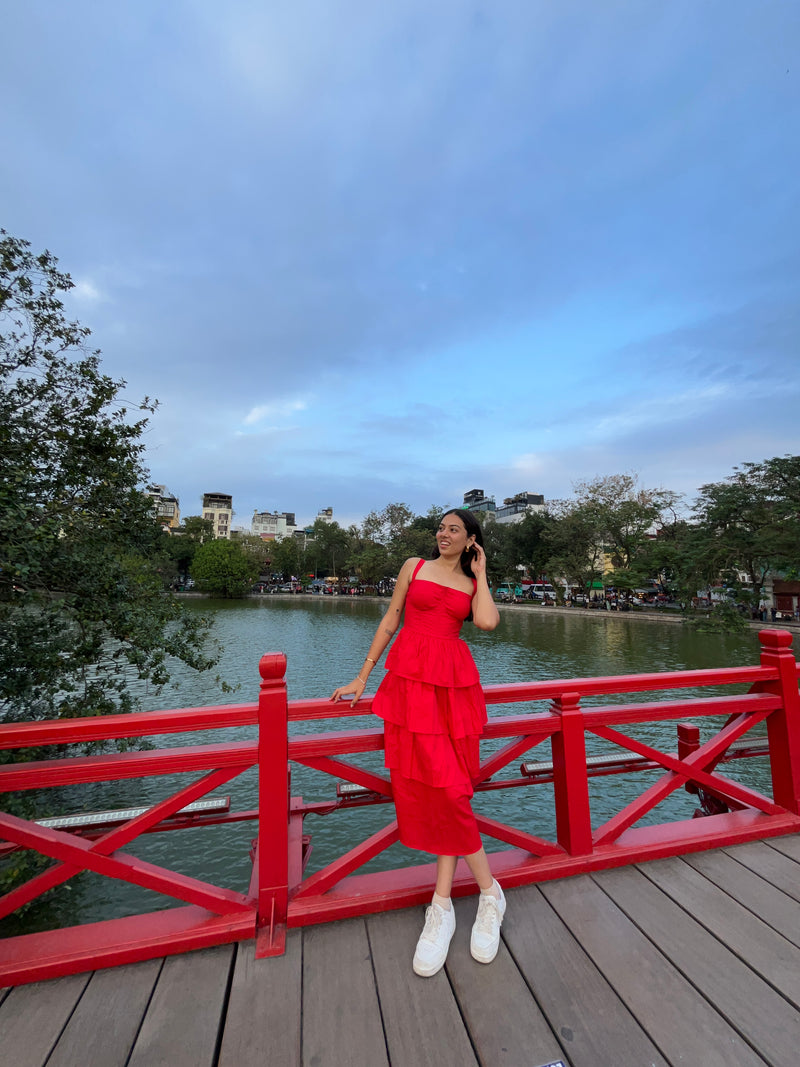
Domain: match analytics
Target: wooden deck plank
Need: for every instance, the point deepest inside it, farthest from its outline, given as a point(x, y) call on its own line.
point(765, 1019)
point(262, 1026)
point(770, 863)
point(184, 1018)
point(682, 1024)
point(118, 996)
point(341, 1014)
point(780, 911)
point(789, 846)
point(505, 1023)
point(667, 963)
point(421, 1016)
point(766, 951)
point(33, 1016)
point(584, 1012)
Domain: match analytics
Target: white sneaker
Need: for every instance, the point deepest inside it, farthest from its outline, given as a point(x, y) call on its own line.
point(485, 939)
point(434, 940)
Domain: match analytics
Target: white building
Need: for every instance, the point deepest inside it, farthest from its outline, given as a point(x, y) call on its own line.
point(516, 507)
point(273, 526)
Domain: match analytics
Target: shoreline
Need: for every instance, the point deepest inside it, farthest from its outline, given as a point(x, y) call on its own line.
point(664, 615)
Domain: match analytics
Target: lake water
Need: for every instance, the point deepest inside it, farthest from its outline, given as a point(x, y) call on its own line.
point(325, 640)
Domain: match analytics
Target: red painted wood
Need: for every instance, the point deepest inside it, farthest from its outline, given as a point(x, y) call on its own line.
point(498, 760)
point(118, 765)
point(355, 858)
point(573, 818)
point(72, 949)
point(783, 728)
point(377, 782)
point(105, 727)
point(281, 847)
point(106, 844)
point(273, 797)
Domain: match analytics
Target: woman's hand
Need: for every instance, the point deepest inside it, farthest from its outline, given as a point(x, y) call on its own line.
point(478, 561)
point(355, 688)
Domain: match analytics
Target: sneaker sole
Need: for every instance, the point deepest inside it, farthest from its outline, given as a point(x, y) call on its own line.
point(426, 972)
point(483, 959)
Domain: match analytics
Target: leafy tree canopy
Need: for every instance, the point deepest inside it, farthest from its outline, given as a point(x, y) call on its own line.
point(224, 569)
point(83, 615)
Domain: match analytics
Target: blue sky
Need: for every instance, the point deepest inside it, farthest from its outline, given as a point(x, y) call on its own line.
point(365, 253)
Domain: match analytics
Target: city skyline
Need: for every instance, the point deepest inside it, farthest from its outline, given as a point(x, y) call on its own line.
point(365, 254)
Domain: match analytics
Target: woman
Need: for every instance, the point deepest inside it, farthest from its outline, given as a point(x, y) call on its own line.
point(434, 712)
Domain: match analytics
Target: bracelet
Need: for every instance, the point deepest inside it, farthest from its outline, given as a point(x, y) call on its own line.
point(363, 682)
point(369, 659)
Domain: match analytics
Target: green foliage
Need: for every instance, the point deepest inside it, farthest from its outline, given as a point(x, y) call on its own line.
point(751, 520)
point(723, 618)
point(224, 569)
point(83, 616)
point(181, 545)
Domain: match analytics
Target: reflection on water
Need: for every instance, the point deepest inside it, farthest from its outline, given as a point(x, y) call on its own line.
point(325, 640)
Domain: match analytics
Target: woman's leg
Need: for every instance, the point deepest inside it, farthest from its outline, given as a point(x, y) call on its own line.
point(478, 863)
point(445, 869)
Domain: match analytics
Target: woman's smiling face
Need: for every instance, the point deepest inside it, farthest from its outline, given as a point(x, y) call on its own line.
point(452, 537)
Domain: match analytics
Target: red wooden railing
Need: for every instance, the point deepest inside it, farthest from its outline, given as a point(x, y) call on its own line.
point(280, 894)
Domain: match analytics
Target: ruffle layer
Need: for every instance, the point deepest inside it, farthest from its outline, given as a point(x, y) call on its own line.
point(419, 707)
point(433, 759)
point(424, 657)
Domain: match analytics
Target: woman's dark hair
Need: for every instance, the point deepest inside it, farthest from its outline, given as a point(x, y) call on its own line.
point(473, 528)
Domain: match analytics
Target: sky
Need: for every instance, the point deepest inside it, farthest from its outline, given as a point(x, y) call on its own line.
point(369, 253)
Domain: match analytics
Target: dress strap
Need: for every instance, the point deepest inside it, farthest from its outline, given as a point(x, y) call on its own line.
point(414, 575)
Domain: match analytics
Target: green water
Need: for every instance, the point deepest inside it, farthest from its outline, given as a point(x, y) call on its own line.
point(325, 640)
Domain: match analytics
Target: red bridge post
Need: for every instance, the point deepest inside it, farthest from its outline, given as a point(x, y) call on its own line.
point(783, 726)
point(571, 784)
point(272, 849)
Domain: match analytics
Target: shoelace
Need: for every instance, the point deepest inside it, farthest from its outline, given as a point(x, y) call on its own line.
point(488, 914)
point(433, 921)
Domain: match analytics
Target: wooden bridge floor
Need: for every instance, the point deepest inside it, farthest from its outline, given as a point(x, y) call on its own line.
point(693, 960)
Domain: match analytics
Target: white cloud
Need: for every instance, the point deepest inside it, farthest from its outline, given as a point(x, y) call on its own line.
point(281, 409)
point(86, 292)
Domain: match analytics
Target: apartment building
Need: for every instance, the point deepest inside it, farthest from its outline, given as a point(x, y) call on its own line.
point(166, 506)
point(273, 526)
point(218, 508)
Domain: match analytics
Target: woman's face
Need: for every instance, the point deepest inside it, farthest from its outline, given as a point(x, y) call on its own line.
point(452, 537)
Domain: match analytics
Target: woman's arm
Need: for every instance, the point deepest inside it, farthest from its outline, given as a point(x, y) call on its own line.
point(387, 628)
point(484, 610)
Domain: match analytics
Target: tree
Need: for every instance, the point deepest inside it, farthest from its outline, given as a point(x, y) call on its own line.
point(576, 550)
point(224, 569)
point(181, 545)
point(528, 542)
point(82, 608)
point(751, 520)
point(328, 549)
point(287, 557)
point(610, 518)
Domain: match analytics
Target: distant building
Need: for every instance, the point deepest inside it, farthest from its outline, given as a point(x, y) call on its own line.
point(326, 514)
point(273, 526)
point(475, 500)
point(166, 507)
point(218, 507)
point(516, 507)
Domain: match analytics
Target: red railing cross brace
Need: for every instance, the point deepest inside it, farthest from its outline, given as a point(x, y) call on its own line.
point(116, 838)
point(681, 771)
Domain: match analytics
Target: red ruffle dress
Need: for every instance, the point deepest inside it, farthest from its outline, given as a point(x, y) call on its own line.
point(434, 712)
